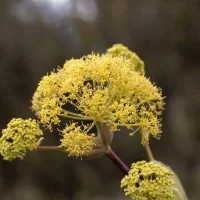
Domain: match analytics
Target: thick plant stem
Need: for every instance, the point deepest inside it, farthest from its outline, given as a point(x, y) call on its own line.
point(49, 148)
point(149, 152)
point(117, 161)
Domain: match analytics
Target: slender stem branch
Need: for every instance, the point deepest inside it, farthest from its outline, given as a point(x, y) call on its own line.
point(146, 101)
point(117, 161)
point(67, 112)
point(94, 85)
point(90, 128)
point(77, 118)
point(72, 103)
point(137, 124)
point(149, 152)
point(49, 148)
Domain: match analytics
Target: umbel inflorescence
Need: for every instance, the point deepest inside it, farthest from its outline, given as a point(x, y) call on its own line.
point(19, 136)
point(100, 89)
point(95, 96)
point(148, 181)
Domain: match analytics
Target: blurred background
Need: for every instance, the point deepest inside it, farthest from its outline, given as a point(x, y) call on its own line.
point(36, 36)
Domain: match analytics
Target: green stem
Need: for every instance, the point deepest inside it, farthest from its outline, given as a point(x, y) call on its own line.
point(49, 148)
point(67, 112)
point(72, 103)
point(104, 133)
point(90, 128)
point(138, 124)
point(149, 152)
point(76, 118)
point(145, 101)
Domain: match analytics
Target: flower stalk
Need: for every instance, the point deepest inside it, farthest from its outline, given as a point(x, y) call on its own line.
point(117, 161)
point(149, 152)
point(49, 148)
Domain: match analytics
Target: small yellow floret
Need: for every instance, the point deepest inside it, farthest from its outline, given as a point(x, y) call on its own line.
point(121, 50)
point(148, 181)
point(76, 141)
point(19, 136)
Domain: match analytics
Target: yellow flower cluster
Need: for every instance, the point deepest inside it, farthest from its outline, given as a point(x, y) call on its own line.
point(148, 181)
point(121, 50)
point(102, 88)
point(19, 136)
point(76, 141)
point(47, 100)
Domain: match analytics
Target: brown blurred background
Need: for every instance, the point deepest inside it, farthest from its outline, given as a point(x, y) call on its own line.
point(38, 35)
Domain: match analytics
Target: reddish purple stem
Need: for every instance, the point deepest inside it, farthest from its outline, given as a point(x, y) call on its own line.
point(117, 161)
